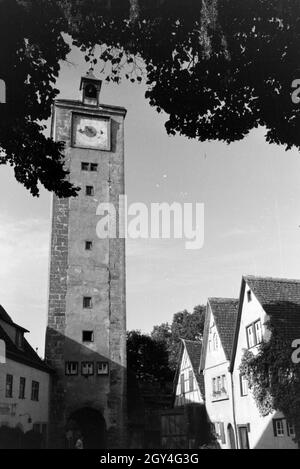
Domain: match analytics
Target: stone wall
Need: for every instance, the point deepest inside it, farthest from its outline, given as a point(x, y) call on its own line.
point(75, 273)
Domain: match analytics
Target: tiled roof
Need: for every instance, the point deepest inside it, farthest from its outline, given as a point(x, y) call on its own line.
point(27, 355)
point(194, 349)
point(225, 312)
point(280, 298)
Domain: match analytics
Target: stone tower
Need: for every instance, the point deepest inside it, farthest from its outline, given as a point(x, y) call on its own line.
point(86, 333)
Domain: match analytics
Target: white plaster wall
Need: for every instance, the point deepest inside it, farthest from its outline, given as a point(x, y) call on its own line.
point(217, 365)
point(193, 397)
point(261, 428)
point(16, 408)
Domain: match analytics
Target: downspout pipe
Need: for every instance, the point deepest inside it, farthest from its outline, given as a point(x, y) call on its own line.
point(233, 410)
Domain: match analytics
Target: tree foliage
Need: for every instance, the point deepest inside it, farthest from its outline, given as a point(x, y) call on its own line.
point(147, 359)
point(274, 378)
point(185, 325)
point(217, 68)
point(31, 47)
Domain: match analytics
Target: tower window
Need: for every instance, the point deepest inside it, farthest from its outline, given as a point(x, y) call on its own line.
point(87, 336)
point(85, 166)
point(102, 368)
point(88, 245)
point(94, 167)
point(87, 368)
point(71, 368)
point(87, 302)
point(91, 91)
point(89, 190)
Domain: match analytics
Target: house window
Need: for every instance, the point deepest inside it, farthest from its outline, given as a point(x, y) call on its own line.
point(22, 388)
point(220, 432)
point(291, 429)
point(87, 302)
point(191, 381)
point(87, 368)
point(182, 384)
point(214, 385)
point(9, 386)
point(254, 334)
point(88, 245)
point(249, 296)
point(94, 167)
point(244, 386)
point(278, 425)
point(85, 166)
point(102, 368)
point(89, 190)
point(87, 336)
point(258, 332)
point(224, 385)
point(35, 390)
point(219, 387)
point(215, 341)
point(250, 336)
point(71, 368)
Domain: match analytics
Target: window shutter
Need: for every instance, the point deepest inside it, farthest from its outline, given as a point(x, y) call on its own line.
point(222, 433)
point(274, 428)
point(287, 428)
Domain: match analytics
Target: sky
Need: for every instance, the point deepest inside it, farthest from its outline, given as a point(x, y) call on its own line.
point(250, 190)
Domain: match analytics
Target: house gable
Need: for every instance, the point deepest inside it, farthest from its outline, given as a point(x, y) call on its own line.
point(218, 331)
point(189, 385)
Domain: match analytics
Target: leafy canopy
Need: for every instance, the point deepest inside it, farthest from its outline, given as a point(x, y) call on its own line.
point(217, 68)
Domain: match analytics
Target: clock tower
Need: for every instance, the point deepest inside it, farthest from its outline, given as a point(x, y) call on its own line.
point(86, 332)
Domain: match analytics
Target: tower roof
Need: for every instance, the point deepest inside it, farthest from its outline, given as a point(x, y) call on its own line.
point(90, 77)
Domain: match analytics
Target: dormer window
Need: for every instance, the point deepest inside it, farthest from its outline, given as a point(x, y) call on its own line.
point(19, 339)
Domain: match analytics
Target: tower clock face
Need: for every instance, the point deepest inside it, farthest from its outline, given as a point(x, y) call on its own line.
point(91, 132)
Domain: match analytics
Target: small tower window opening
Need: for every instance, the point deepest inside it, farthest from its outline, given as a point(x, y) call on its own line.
point(85, 166)
point(87, 302)
point(91, 88)
point(94, 167)
point(89, 190)
point(89, 245)
point(102, 368)
point(91, 91)
point(87, 368)
point(71, 368)
point(88, 336)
